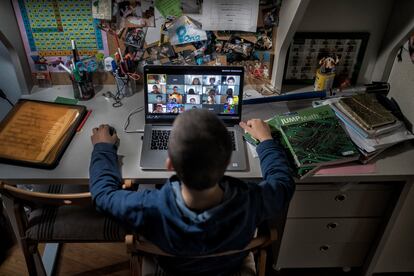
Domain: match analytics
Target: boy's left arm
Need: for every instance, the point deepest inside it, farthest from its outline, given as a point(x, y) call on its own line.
point(105, 187)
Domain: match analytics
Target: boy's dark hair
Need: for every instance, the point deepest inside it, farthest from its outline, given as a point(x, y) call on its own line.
point(199, 148)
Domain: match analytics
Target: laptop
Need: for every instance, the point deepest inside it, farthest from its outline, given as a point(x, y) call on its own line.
point(171, 90)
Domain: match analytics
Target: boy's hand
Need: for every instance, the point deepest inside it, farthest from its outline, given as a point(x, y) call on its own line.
point(258, 129)
point(102, 135)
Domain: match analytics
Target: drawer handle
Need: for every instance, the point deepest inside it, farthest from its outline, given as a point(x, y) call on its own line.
point(324, 248)
point(332, 225)
point(340, 197)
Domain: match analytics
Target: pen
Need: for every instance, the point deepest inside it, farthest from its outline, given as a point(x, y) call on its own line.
point(65, 68)
point(120, 54)
point(75, 59)
point(84, 120)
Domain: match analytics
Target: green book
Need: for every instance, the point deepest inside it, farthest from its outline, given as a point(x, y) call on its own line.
point(313, 137)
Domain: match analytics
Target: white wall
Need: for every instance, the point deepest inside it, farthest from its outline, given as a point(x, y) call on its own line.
point(351, 16)
point(402, 84)
point(397, 32)
point(10, 36)
point(8, 81)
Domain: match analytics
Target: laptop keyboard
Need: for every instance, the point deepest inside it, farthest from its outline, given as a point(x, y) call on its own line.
point(159, 139)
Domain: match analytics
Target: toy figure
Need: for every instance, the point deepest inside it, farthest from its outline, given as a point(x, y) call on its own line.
point(328, 64)
point(258, 71)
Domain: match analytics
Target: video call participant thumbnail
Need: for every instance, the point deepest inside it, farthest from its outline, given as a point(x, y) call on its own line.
point(157, 98)
point(156, 78)
point(175, 89)
point(157, 108)
point(193, 79)
point(156, 88)
point(192, 106)
point(175, 108)
point(175, 98)
point(192, 99)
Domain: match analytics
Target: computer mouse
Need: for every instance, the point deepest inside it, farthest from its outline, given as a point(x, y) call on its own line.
point(112, 130)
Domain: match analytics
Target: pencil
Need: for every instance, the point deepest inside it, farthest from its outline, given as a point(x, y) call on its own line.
point(84, 120)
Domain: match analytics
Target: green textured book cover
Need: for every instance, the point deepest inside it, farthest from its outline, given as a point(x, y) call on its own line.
point(315, 137)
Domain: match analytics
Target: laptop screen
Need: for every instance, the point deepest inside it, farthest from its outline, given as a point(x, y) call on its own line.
point(170, 90)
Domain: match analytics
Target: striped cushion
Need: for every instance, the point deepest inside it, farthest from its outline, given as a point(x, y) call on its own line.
point(71, 223)
point(150, 267)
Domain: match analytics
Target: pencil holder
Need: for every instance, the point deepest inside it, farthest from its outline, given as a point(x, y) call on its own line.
point(83, 89)
point(126, 85)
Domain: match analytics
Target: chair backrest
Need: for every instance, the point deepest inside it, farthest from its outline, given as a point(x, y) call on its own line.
point(138, 247)
point(41, 199)
point(136, 244)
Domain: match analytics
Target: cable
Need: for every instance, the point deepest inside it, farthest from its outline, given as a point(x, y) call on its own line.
point(119, 95)
point(3, 95)
point(138, 109)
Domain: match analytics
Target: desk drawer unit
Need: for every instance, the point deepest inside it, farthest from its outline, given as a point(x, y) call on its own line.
point(332, 230)
point(323, 255)
point(351, 203)
point(332, 225)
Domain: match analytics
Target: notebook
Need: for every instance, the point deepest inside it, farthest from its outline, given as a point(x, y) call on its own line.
point(170, 90)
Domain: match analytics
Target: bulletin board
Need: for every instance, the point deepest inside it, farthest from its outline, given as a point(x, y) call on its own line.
point(47, 28)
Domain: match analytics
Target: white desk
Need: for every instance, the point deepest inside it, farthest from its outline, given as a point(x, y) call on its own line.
point(313, 195)
point(74, 165)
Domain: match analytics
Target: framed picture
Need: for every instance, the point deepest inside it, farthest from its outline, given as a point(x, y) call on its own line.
point(306, 49)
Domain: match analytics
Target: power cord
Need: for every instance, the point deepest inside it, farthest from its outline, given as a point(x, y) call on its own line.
point(3, 95)
point(119, 94)
point(138, 109)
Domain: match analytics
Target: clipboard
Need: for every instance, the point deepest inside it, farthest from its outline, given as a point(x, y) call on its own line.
point(37, 133)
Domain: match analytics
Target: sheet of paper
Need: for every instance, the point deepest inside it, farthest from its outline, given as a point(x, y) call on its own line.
point(347, 169)
point(102, 9)
point(185, 30)
point(154, 33)
point(169, 7)
point(230, 15)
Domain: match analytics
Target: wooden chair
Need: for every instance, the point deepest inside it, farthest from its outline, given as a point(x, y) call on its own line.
point(142, 252)
point(55, 214)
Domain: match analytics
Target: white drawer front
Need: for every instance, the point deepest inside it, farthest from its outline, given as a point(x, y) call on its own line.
point(332, 230)
point(322, 255)
point(352, 203)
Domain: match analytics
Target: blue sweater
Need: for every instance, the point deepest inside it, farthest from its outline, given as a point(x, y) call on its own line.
point(162, 217)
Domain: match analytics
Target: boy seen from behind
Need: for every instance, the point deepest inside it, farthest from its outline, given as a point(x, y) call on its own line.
point(199, 210)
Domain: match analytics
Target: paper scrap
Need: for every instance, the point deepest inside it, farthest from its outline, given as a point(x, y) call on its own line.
point(230, 15)
point(185, 30)
point(169, 7)
point(153, 34)
point(347, 169)
point(102, 9)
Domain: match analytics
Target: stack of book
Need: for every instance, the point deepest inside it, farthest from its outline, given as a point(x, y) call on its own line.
point(313, 137)
point(369, 124)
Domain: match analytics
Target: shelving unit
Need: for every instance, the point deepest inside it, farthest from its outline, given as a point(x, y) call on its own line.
point(389, 23)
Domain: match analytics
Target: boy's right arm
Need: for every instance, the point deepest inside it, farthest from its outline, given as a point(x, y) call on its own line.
point(105, 182)
point(278, 185)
